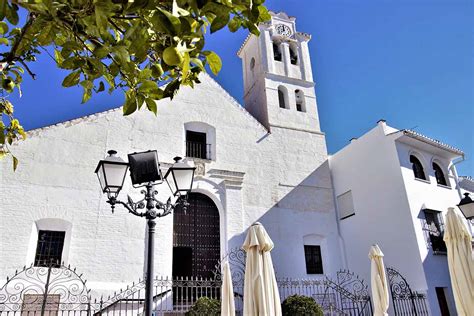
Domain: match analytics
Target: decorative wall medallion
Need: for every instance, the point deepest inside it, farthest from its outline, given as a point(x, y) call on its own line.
point(283, 30)
point(200, 168)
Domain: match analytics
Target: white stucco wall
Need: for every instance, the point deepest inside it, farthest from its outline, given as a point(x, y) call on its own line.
point(285, 185)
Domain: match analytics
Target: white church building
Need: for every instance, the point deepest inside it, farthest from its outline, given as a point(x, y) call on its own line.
point(264, 161)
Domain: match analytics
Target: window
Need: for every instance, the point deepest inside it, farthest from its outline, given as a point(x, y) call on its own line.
point(440, 178)
point(49, 249)
point(345, 205)
point(252, 63)
point(293, 55)
point(434, 230)
point(314, 262)
point(417, 168)
point(300, 105)
point(276, 52)
point(196, 145)
point(283, 97)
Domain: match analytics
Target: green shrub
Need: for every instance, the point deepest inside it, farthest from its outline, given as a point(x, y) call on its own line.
point(205, 306)
point(299, 305)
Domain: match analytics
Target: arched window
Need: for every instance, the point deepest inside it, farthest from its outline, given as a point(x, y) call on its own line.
point(439, 174)
point(276, 52)
point(294, 54)
point(283, 97)
point(300, 104)
point(417, 168)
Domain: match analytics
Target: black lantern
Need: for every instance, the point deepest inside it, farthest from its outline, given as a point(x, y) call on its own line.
point(466, 205)
point(180, 177)
point(111, 173)
point(144, 167)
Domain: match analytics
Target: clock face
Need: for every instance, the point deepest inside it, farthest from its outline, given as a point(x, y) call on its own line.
point(283, 30)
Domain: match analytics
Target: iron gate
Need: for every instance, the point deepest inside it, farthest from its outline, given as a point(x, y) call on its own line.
point(45, 291)
point(405, 301)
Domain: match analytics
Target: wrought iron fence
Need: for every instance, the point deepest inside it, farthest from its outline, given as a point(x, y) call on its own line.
point(61, 291)
point(405, 301)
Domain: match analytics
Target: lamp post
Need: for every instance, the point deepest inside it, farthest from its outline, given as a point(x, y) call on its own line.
point(466, 205)
point(145, 172)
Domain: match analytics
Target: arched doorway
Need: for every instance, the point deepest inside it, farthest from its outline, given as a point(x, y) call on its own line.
point(196, 238)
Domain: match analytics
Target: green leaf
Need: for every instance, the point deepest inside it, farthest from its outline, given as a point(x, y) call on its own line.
point(121, 53)
point(102, 51)
point(3, 41)
point(3, 27)
point(151, 105)
point(264, 15)
point(185, 67)
point(148, 86)
point(57, 55)
point(175, 22)
point(101, 87)
point(130, 105)
point(101, 10)
point(15, 163)
point(86, 95)
point(234, 24)
point(3, 8)
point(12, 14)
point(72, 79)
point(214, 61)
point(219, 22)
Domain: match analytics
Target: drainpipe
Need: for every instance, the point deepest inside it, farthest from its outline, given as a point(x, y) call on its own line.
point(458, 187)
point(456, 177)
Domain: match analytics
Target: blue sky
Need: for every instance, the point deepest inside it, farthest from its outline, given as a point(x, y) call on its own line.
point(410, 62)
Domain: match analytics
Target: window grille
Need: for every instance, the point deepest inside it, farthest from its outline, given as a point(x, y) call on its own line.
point(434, 230)
point(314, 262)
point(196, 145)
point(49, 248)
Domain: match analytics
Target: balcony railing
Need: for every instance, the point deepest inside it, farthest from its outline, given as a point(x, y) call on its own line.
point(198, 150)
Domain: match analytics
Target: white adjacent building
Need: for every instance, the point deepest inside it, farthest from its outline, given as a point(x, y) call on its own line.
point(263, 161)
point(393, 187)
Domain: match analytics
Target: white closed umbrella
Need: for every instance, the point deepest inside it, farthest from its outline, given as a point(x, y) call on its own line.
point(261, 297)
point(378, 281)
point(460, 261)
point(227, 290)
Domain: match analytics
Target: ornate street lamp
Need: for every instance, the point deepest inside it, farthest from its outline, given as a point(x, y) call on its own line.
point(145, 171)
point(466, 205)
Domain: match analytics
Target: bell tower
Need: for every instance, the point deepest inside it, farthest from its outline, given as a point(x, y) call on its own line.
point(278, 81)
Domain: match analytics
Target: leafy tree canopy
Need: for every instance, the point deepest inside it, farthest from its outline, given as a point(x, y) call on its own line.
point(147, 48)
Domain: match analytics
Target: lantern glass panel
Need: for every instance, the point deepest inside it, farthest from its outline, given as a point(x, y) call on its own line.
point(184, 179)
point(468, 210)
point(101, 176)
point(114, 175)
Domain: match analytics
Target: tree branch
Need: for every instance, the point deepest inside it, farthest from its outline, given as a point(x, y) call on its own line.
point(11, 57)
point(28, 70)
